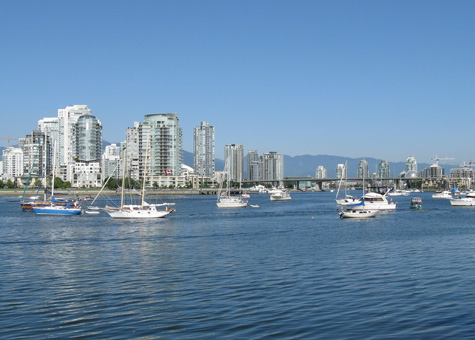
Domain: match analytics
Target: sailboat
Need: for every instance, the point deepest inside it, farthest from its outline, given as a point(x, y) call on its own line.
point(357, 210)
point(143, 210)
point(58, 207)
point(225, 200)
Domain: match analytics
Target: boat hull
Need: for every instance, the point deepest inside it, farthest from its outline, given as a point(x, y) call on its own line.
point(358, 214)
point(462, 202)
point(278, 198)
point(138, 214)
point(57, 211)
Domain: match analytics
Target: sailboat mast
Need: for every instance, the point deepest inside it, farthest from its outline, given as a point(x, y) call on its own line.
point(54, 170)
point(123, 179)
point(145, 171)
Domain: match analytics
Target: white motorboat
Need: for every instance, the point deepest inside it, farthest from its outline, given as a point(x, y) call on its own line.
point(398, 192)
point(467, 201)
point(443, 194)
point(370, 201)
point(353, 213)
point(280, 195)
point(254, 206)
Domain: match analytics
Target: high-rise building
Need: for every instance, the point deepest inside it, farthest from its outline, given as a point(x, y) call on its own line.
point(363, 169)
point(12, 162)
point(203, 150)
point(87, 139)
point(34, 146)
point(254, 166)
point(411, 164)
point(341, 171)
point(321, 172)
point(384, 169)
point(273, 166)
point(166, 152)
point(234, 157)
point(111, 162)
point(66, 148)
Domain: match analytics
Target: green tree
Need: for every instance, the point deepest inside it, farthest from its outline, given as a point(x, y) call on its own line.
point(58, 183)
point(1, 184)
point(10, 184)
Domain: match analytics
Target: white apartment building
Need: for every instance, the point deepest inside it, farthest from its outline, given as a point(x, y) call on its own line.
point(234, 157)
point(203, 150)
point(273, 166)
point(340, 171)
point(321, 172)
point(254, 166)
point(111, 162)
point(12, 163)
point(87, 175)
point(166, 137)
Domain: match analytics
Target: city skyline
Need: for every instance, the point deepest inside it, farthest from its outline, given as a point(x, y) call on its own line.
point(381, 79)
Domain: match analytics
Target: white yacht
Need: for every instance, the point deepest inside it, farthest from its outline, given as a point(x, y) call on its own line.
point(398, 192)
point(370, 201)
point(467, 201)
point(443, 194)
point(353, 213)
point(280, 195)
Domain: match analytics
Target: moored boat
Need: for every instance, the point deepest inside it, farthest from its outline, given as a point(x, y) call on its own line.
point(467, 201)
point(443, 194)
point(353, 213)
point(372, 201)
point(280, 195)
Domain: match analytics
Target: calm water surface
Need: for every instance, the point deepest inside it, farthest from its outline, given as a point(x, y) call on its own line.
point(286, 270)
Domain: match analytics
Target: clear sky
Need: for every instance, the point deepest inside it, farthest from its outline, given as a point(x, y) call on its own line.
point(385, 79)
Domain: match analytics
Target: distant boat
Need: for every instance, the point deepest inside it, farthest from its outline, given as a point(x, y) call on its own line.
point(254, 206)
point(225, 200)
point(398, 192)
point(280, 195)
point(442, 194)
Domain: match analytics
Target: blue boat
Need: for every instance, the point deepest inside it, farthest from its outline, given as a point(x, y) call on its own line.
point(54, 208)
point(58, 210)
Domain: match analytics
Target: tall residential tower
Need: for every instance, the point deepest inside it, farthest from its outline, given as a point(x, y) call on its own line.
point(203, 150)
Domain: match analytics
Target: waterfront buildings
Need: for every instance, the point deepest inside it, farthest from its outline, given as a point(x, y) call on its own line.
point(12, 162)
point(254, 166)
point(411, 164)
point(155, 146)
point(363, 169)
point(111, 161)
point(234, 155)
point(203, 150)
point(166, 154)
point(384, 170)
point(320, 172)
point(273, 166)
point(341, 171)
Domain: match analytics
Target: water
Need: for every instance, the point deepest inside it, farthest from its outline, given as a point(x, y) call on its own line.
point(287, 270)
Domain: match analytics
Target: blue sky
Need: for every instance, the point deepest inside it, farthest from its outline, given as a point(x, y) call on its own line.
point(385, 79)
